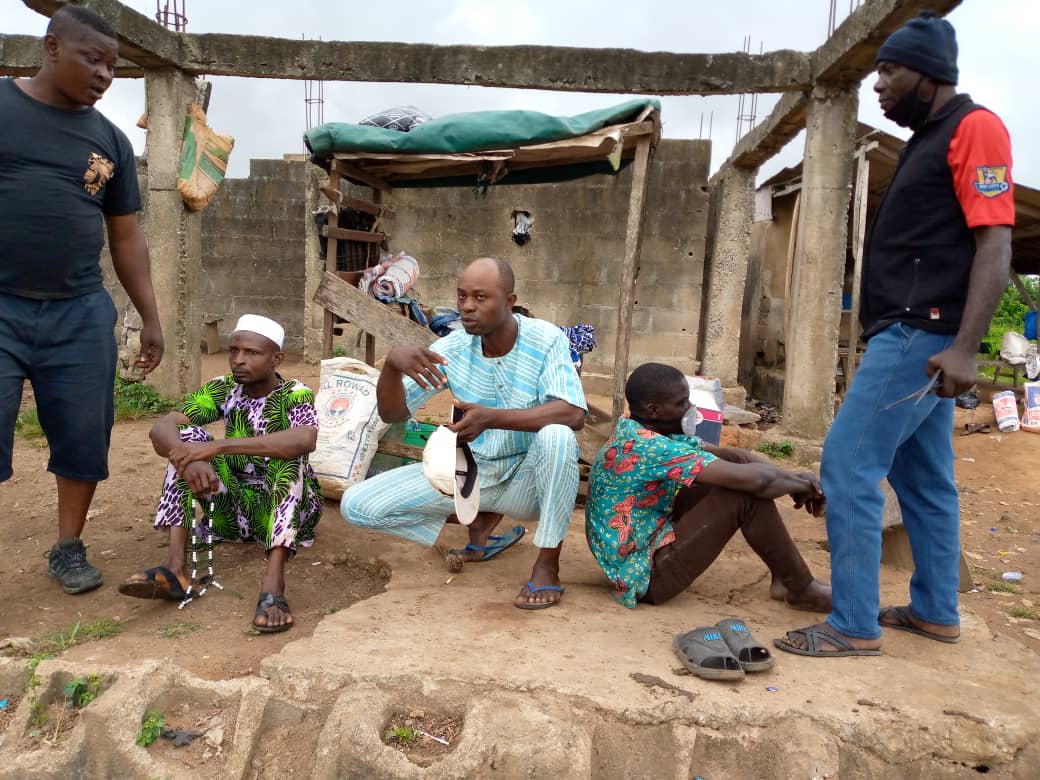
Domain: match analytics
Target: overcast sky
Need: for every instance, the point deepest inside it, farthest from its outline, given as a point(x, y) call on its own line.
point(998, 40)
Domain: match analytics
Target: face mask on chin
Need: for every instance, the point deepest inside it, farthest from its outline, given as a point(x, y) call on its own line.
point(911, 110)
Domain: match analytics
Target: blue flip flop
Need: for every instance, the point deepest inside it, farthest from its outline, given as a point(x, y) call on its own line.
point(498, 544)
point(531, 589)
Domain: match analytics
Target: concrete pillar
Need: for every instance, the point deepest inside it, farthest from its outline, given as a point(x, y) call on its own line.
point(174, 235)
point(314, 267)
point(732, 212)
point(819, 263)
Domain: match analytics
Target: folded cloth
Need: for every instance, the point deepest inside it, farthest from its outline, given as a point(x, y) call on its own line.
point(391, 278)
point(444, 320)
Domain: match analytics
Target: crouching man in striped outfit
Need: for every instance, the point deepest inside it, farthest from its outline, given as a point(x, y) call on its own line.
point(521, 401)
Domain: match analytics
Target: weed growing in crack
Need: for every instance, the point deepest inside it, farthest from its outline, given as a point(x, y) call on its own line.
point(151, 728)
point(403, 735)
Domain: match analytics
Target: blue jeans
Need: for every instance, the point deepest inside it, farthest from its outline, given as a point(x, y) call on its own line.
point(912, 445)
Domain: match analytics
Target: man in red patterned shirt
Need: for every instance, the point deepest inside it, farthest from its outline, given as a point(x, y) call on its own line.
point(936, 263)
point(663, 504)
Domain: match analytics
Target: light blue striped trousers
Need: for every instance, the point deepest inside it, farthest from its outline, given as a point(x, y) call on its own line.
point(402, 502)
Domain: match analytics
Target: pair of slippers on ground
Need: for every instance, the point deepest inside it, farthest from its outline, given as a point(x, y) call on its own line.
point(496, 544)
point(725, 651)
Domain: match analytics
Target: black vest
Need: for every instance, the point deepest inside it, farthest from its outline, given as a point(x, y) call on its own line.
point(919, 248)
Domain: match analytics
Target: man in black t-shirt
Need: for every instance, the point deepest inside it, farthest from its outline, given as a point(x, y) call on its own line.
point(65, 170)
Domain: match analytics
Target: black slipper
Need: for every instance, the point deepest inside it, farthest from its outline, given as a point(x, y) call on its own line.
point(152, 588)
point(271, 600)
point(905, 622)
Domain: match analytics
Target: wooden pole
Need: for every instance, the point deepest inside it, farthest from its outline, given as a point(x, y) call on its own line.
point(370, 339)
point(630, 270)
point(331, 248)
point(1027, 296)
point(859, 230)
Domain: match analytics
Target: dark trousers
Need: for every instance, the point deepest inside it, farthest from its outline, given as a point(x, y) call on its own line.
point(705, 519)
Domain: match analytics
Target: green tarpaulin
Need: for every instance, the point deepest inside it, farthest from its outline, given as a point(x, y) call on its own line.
point(476, 131)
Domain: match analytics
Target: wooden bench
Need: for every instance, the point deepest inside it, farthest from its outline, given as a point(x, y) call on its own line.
point(999, 366)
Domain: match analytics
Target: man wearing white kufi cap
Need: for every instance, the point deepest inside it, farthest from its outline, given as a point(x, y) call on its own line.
point(257, 478)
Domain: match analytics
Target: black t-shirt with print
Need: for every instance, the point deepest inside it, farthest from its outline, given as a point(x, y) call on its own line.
point(60, 171)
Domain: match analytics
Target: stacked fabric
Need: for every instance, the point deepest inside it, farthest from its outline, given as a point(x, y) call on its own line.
point(391, 279)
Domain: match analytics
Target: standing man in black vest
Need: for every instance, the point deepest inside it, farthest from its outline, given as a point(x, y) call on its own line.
point(936, 263)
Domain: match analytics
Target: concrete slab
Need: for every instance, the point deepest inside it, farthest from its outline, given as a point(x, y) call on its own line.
point(598, 671)
point(584, 690)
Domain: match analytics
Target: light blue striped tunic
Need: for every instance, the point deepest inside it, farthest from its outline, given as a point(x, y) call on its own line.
point(537, 370)
point(526, 476)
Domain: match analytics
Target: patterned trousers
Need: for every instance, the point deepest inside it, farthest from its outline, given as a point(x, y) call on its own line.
point(277, 508)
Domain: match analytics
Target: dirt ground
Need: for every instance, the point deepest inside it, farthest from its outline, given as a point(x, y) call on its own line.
point(997, 475)
point(209, 637)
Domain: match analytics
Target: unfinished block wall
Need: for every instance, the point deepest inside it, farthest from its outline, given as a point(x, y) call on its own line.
point(570, 270)
point(254, 240)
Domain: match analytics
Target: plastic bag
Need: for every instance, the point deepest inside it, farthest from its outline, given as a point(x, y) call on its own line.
point(1013, 348)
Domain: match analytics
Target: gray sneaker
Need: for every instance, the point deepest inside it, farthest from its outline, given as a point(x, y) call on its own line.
point(67, 562)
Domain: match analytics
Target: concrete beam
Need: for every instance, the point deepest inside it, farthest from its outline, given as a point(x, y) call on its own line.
point(141, 40)
point(22, 55)
point(819, 263)
point(770, 135)
point(843, 61)
point(522, 67)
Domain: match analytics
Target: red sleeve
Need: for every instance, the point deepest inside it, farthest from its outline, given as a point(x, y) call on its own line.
point(980, 161)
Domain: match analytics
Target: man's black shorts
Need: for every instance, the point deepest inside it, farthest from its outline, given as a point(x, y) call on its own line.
point(67, 349)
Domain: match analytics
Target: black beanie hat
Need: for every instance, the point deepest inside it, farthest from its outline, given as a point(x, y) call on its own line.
point(926, 44)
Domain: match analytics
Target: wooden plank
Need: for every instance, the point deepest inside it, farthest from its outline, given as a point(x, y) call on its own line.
point(343, 234)
point(399, 449)
point(356, 174)
point(792, 243)
point(630, 270)
point(371, 316)
point(340, 200)
point(859, 230)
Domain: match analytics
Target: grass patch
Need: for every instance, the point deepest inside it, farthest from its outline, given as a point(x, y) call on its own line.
point(180, 629)
point(1002, 586)
point(137, 401)
point(777, 449)
point(1024, 613)
point(79, 632)
point(27, 424)
point(339, 351)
